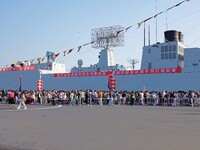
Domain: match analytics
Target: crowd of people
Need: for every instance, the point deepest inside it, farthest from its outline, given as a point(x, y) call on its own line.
point(94, 97)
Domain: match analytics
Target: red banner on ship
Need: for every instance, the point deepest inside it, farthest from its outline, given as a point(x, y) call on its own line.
point(18, 68)
point(123, 72)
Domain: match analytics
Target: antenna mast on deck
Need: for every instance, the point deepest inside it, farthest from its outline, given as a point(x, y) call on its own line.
point(156, 21)
point(133, 62)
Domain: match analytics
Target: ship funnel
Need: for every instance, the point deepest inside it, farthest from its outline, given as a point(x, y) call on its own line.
point(173, 35)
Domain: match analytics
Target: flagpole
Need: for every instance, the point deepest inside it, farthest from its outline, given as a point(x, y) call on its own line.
point(144, 35)
point(166, 21)
point(149, 34)
point(156, 21)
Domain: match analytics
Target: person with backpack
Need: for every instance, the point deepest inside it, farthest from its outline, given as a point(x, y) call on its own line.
point(22, 99)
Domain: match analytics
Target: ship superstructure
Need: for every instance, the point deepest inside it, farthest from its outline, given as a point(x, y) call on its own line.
point(106, 63)
point(164, 66)
point(169, 54)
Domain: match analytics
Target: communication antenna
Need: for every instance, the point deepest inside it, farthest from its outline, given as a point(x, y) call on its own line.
point(133, 62)
point(166, 20)
point(149, 34)
point(106, 37)
point(156, 21)
point(144, 35)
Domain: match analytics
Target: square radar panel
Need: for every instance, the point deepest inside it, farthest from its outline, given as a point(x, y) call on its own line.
point(108, 37)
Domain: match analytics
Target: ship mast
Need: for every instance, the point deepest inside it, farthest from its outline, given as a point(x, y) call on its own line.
point(156, 21)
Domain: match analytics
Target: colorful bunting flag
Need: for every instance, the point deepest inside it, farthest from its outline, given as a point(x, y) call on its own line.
point(38, 59)
point(56, 55)
point(15, 63)
point(128, 28)
point(79, 48)
point(44, 58)
point(139, 24)
point(86, 44)
point(158, 14)
point(175, 5)
point(92, 42)
point(119, 32)
point(64, 52)
point(18, 63)
point(49, 56)
point(70, 50)
point(148, 19)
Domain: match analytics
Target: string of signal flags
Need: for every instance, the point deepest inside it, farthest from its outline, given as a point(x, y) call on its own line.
point(41, 59)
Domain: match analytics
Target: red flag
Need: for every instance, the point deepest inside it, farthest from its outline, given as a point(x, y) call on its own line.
point(56, 55)
point(64, 52)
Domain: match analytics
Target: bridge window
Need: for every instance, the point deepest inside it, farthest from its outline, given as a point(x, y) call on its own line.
point(168, 52)
point(149, 65)
point(149, 51)
point(162, 56)
point(174, 55)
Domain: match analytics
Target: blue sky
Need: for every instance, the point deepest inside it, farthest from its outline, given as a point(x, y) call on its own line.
point(29, 28)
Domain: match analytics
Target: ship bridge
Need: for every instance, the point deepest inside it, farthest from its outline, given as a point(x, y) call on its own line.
point(169, 54)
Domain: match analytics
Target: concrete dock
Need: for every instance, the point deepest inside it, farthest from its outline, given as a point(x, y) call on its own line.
point(99, 128)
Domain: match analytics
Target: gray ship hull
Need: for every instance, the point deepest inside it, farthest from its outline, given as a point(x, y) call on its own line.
point(150, 82)
point(11, 80)
point(140, 82)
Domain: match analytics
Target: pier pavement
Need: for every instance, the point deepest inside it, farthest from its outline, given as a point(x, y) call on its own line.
point(99, 128)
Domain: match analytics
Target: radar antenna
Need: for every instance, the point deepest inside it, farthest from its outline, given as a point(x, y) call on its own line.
point(133, 62)
point(107, 37)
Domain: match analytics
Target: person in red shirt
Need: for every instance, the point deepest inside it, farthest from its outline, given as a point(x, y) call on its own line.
point(11, 98)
